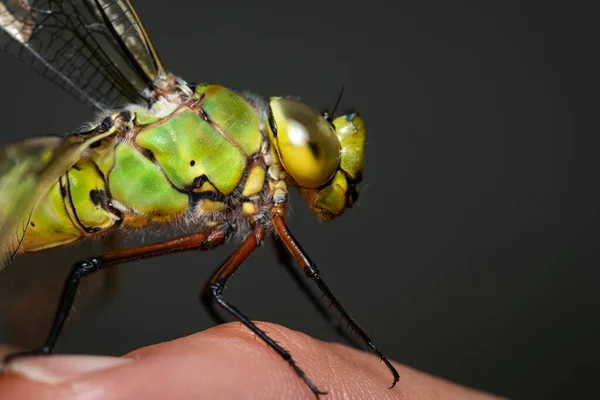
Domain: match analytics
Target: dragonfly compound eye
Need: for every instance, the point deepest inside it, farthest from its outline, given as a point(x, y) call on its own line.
point(330, 200)
point(308, 146)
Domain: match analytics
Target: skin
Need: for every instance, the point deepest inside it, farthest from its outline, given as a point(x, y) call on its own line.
point(224, 362)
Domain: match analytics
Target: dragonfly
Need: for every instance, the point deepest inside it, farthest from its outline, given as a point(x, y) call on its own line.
point(215, 160)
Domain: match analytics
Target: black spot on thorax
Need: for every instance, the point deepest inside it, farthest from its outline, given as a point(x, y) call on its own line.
point(99, 198)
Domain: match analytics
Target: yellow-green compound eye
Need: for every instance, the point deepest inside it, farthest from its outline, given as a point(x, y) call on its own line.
point(307, 144)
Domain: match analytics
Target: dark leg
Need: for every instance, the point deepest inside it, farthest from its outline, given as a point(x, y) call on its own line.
point(208, 302)
point(312, 272)
point(284, 258)
point(194, 241)
point(217, 284)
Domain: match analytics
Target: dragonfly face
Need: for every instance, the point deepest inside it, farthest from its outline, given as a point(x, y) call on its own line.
point(325, 159)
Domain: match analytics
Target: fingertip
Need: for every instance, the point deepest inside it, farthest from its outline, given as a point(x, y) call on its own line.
point(231, 362)
point(233, 335)
point(227, 361)
point(56, 369)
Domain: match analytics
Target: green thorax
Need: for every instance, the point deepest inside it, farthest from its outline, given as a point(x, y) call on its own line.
point(196, 156)
point(211, 140)
point(204, 145)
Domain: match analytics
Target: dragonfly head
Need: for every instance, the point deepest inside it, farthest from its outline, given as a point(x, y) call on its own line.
point(323, 155)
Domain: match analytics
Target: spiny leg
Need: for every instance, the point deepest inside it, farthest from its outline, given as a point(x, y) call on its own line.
point(217, 284)
point(284, 258)
point(194, 241)
point(309, 267)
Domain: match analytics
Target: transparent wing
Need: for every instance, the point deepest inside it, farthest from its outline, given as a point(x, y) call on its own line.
point(20, 167)
point(97, 50)
point(29, 292)
point(27, 170)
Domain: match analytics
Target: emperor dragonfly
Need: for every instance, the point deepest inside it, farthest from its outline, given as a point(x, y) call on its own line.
point(217, 160)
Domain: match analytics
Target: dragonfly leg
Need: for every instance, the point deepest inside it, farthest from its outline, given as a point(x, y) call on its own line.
point(284, 258)
point(208, 302)
point(311, 271)
point(193, 241)
point(217, 284)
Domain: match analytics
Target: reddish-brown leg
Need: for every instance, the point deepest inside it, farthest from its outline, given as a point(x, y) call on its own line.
point(284, 257)
point(311, 271)
point(214, 290)
point(194, 241)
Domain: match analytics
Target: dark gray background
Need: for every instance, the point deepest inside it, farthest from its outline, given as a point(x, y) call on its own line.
point(472, 253)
